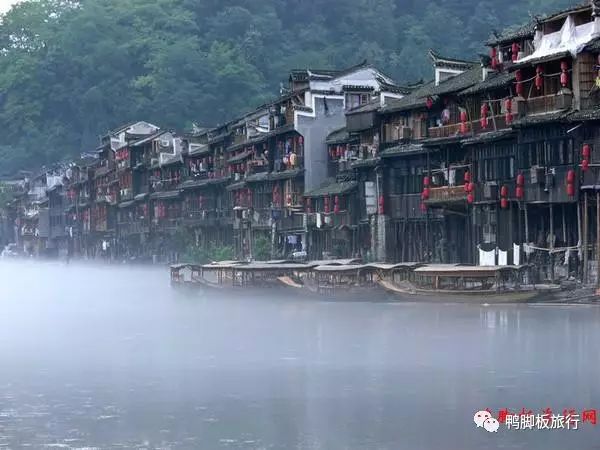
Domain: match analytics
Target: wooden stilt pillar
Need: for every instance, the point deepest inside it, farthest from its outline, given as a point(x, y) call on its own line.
point(598, 238)
point(585, 238)
point(579, 238)
point(551, 244)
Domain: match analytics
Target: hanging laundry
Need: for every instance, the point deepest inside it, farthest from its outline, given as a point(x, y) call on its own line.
point(319, 220)
point(487, 258)
point(292, 240)
point(452, 177)
point(567, 257)
point(516, 254)
point(502, 258)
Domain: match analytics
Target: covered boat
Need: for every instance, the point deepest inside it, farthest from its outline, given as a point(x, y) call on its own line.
point(457, 282)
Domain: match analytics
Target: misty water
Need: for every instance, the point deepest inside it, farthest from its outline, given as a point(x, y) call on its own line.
point(112, 357)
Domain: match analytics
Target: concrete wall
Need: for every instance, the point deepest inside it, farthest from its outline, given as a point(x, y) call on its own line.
point(315, 131)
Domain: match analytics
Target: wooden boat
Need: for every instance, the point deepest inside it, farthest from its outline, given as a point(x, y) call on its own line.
point(347, 282)
point(463, 283)
point(237, 277)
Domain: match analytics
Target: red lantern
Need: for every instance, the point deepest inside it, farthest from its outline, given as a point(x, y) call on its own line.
point(519, 192)
point(471, 187)
point(586, 151)
point(484, 113)
point(585, 165)
point(504, 203)
point(564, 75)
point(494, 56)
point(571, 176)
point(520, 180)
point(519, 85)
point(381, 205)
point(466, 187)
point(539, 80)
point(326, 205)
point(336, 204)
point(570, 190)
point(508, 107)
point(429, 102)
point(504, 191)
point(425, 194)
point(426, 181)
point(463, 115)
point(515, 52)
point(470, 198)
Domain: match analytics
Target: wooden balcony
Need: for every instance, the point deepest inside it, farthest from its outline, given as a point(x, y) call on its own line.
point(134, 227)
point(292, 222)
point(548, 103)
point(261, 218)
point(474, 127)
point(447, 194)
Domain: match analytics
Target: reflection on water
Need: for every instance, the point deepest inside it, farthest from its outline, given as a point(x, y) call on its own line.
point(113, 358)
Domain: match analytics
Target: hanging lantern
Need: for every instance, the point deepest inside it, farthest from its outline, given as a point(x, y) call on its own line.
point(585, 165)
point(504, 203)
point(429, 102)
point(326, 205)
point(570, 190)
point(515, 52)
point(466, 186)
point(519, 85)
point(471, 187)
point(564, 74)
point(425, 194)
point(520, 192)
point(484, 113)
point(539, 80)
point(508, 106)
point(470, 198)
point(463, 121)
point(494, 56)
point(381, 205)
point(520, 180)
point(336, 204)
point(426, 181)
point(504, 191)
point(586, 151)
point(571, 176)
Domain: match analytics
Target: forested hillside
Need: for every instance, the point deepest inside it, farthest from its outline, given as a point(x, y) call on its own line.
point(71, 70)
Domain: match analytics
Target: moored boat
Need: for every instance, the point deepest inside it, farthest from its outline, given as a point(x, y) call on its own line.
point(472, 284)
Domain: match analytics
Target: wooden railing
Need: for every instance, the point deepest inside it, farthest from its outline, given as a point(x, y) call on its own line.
point(548, 103)
point(473, 127)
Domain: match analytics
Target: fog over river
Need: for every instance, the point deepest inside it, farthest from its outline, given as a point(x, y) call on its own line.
point(112, 357)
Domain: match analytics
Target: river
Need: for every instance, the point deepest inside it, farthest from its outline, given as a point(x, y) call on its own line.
point(111, 357)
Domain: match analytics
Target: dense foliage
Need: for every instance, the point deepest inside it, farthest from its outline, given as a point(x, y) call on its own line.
point(71, 70)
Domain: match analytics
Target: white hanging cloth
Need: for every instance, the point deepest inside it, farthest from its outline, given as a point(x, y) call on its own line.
point(502, 258)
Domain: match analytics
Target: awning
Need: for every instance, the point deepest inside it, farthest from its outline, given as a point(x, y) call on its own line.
point(242, 156)
point(126, 204)
point(334, 189)
point(167, 195)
